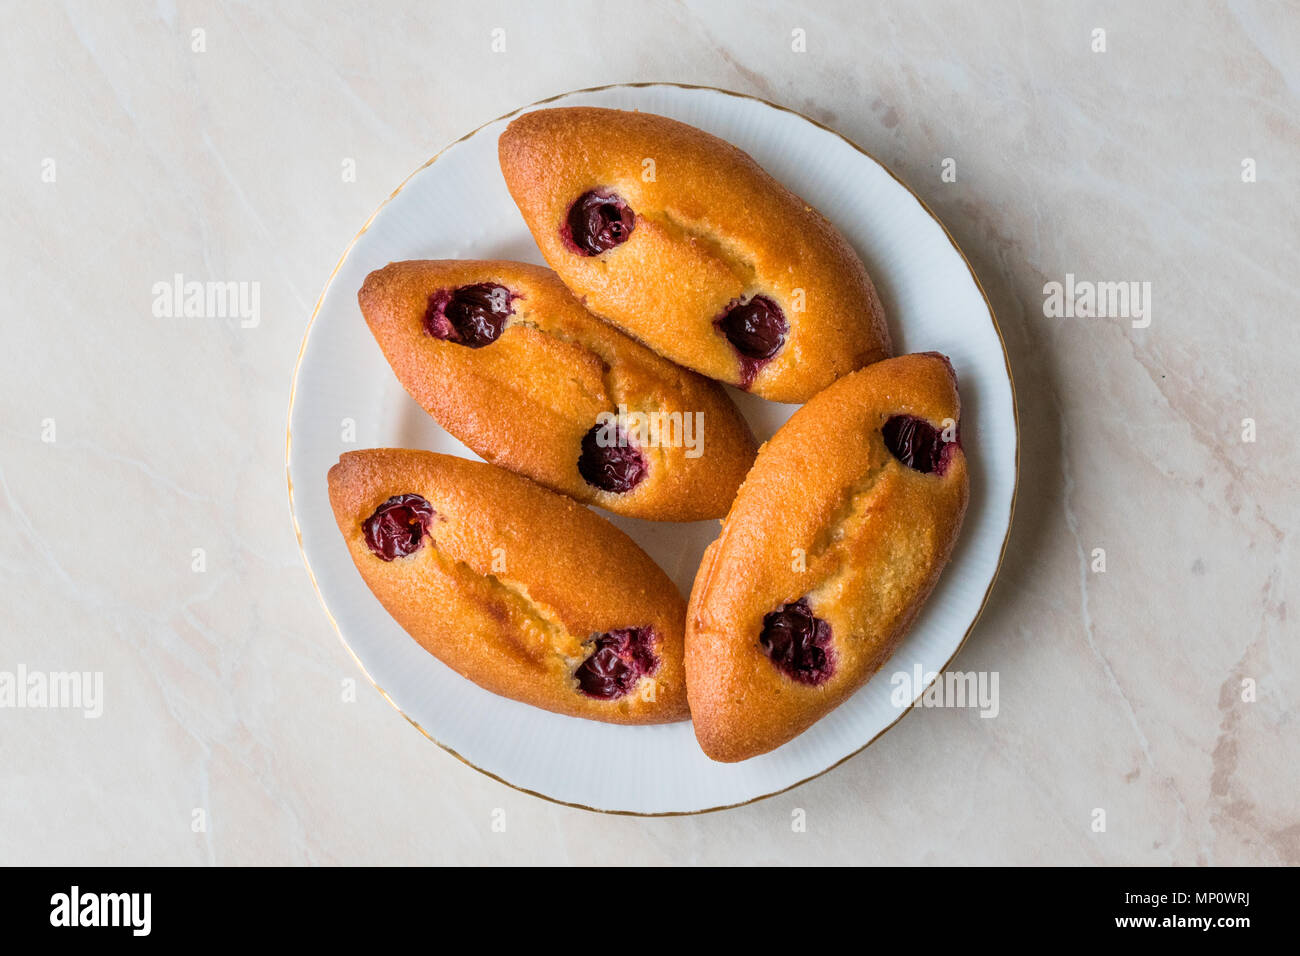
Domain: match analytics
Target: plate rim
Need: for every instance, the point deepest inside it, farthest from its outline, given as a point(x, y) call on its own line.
point(329, 282)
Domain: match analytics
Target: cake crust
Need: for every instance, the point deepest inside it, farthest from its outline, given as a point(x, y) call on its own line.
point(513, 582)
point(712, 229)
point(526, 400)
point(828, 515)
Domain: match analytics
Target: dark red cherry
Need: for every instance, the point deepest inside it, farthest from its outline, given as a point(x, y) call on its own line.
point(398, 526)
point(918, 444)
point(472, 315)
point(598, 221)
point(757, 330)
point(799, 643)
point(609, 461)
point(617, 661)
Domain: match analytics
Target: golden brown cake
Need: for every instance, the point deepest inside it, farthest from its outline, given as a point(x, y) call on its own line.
point(528, 594)
point(510, 363)
point(834, 542)
point(684, 242)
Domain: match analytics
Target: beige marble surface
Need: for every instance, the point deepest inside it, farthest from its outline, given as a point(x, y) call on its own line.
point(1120, 690)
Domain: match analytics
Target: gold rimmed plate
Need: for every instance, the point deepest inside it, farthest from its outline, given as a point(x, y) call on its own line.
point(344, 396)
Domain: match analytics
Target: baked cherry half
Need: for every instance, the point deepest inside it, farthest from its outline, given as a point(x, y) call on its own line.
point(610, 461)
point(799, 643)
point(598, 221)
point(398, 526)
point(757, 330)
point(918, 444)
point(617, 661)
point(472, 315)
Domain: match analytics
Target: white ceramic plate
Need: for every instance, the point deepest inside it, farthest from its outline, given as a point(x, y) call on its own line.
point(457, 206)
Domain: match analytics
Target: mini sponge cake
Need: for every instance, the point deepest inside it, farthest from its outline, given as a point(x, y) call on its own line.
point(509, 362)
point(525, 592)
point(684, 242)
point(834, 542)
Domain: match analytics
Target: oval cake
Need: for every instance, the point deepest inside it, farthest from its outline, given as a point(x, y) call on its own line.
point(504, 357)
point(523, 591)
point(833, 543)
point(687, 244)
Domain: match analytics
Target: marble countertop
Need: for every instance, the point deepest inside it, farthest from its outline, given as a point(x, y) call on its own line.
point(144, 532)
